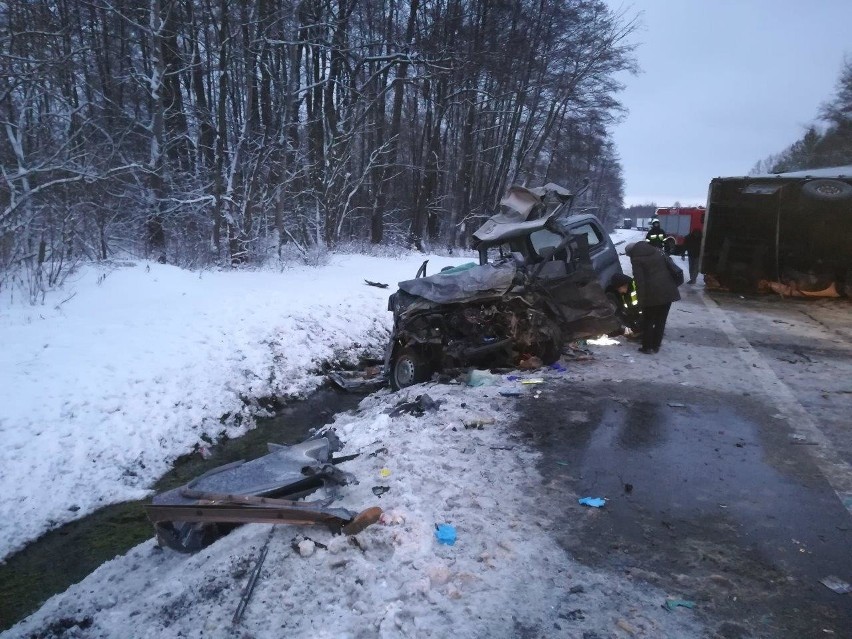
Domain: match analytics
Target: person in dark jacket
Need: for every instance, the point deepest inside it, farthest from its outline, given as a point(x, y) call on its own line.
point(655, 235)
point(692, 247)
point(622, 292)
point(656, 290)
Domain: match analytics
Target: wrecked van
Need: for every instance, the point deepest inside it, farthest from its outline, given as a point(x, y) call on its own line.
point(788, 232)
point(539, 282)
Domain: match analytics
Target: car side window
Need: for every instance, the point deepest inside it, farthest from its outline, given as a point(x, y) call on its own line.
point(592, 234)
point(543, 239)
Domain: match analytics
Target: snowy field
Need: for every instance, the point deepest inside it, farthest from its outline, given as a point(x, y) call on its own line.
point(102, 391)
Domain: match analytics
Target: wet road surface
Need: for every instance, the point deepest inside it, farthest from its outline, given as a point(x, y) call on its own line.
point(709, 498)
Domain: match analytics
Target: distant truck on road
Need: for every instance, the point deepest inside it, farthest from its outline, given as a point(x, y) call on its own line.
point(677, 222)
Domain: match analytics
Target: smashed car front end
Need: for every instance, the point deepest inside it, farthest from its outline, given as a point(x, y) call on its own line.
point(527, 302)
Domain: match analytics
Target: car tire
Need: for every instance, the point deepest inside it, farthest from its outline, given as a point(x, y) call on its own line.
point(828, 190)
point(409, 367)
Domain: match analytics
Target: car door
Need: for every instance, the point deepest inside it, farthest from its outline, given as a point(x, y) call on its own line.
point(601, 249)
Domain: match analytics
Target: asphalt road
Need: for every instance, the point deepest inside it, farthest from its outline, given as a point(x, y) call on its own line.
point(725, 461)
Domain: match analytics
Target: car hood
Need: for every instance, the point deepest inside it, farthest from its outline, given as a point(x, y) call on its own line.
point(475, 283)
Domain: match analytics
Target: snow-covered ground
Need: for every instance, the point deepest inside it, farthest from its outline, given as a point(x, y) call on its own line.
point(102, 391)
point(128, 367)
point(505, 573)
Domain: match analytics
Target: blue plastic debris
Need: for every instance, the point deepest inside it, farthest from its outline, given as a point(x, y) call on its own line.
point(558, 367)
point(594, 502)
point(511, 393)
point(671, 604)
point(445, 534)
point(513, 378)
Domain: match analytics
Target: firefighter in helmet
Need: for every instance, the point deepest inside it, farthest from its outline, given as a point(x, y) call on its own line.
point(655, 235)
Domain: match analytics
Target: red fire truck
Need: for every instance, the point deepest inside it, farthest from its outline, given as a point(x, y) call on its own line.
point(677, 222)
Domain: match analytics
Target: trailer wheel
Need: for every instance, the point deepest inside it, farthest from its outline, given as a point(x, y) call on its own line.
point(408, 368)
point(830, 190)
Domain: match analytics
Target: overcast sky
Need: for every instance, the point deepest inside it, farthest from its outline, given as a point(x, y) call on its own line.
point(724, 83)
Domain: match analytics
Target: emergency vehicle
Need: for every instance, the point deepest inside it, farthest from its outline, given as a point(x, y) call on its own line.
point(677, 222)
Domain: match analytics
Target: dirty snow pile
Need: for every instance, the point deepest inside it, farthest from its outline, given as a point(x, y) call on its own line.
point(132, 365)
point(503, 577)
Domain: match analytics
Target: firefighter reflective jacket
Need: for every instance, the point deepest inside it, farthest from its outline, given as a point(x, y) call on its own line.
point(656, 236)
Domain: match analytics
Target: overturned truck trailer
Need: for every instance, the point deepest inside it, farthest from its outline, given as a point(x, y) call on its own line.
point(789, 232)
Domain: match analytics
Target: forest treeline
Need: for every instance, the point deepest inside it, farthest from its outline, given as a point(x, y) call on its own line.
point(820, 146)
point(208, 131)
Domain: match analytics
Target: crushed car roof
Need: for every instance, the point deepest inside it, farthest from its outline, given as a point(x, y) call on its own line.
point(517, 207)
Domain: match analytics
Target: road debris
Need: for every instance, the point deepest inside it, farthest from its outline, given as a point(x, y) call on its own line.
point(478, 377)
point(376, 284)
point(836, 584)
point(363, 381)
point(445, 534)
point(262, 490)
point(671, 604)
point(418, 407)
point(479, 423)
point(594, 502)
point(252, 582)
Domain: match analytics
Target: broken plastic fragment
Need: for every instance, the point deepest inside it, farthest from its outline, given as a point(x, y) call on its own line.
point(836, 584)
point(671, 604)
point(594, 502)
point(534, 380)
point(385, 472)
point(445, 534)
point(481, 378)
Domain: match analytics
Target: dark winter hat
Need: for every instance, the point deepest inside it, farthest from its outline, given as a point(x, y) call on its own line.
point(619, 279)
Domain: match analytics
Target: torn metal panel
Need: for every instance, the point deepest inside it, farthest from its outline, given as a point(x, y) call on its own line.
point(192, 516)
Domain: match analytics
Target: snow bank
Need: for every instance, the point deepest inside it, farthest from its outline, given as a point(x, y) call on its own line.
point(113, 378)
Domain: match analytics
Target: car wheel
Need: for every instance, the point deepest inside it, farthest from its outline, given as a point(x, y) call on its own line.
point(831, 190)
point(409, 368)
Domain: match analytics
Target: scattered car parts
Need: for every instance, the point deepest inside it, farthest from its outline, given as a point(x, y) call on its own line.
point(263, 490)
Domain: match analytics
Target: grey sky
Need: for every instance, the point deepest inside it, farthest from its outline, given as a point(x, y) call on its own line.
point(724, 83)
